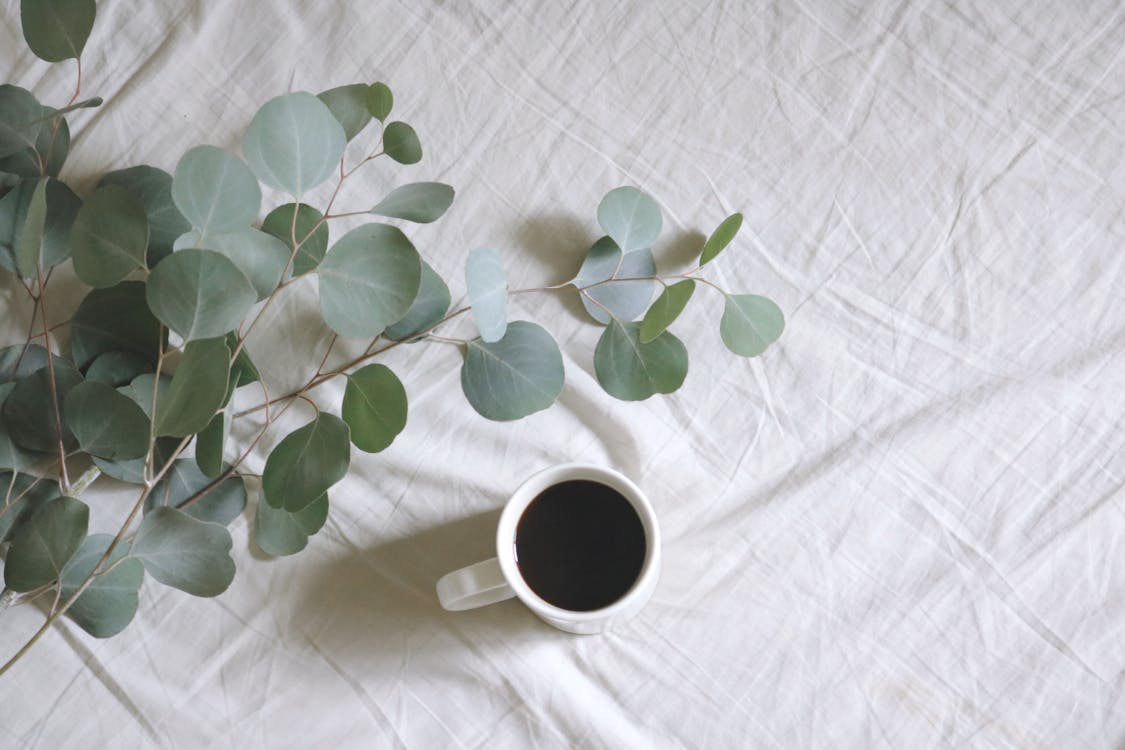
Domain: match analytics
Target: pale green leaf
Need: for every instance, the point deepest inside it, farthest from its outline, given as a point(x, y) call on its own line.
point(260, 256)
point(184, 552)
point(750, 324)
point(215, 191)
point(199, 294)
point(420, 202)
point(630, 217)
point(294, 143)
point(624, 300)
point(488, 292)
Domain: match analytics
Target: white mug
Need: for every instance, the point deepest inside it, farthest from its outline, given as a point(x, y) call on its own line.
point(499, 578)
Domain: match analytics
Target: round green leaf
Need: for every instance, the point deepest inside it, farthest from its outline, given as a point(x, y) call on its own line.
point(420, 202)
point(215, 191)
point(153, 188)
point(488, 292)
point(199, 294)
point(379, 101)
point(279, 532)
point(368, 280)
point(260, 256)
point(518, 375)
point(197, 390)
point(28, 495)
point(31, 239)
point(306, 463)
point(427, 309)
point(400, 142)
point(56, 30)
point(348, 104)
point(632, 371)
point(29, 411)
point(666, 309)
point(294, 143)
point(374, 407)
point(45, 544)
point(750, 324)
point(624, 300)
point(117, 368)
point(279, 223)
point(106, 423)
point(21, 120)
point(110, 601)
point(115, 319)
point(220, 502)
point(184, 552)
point(630, 217)
point(109, 236)
point(720, 238)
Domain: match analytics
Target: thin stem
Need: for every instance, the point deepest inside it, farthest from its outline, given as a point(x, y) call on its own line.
point(324, 359)
point(151, 452)
point(64, 480)
point(446, 340)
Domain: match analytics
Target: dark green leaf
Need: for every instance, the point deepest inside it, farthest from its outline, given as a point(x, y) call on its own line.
point(110, 601)
point(140, 390)
point(279, 532)
point(12, 456)
point(153, 188)
point(750, 324)
point(47, 541)
point(117, 368)
point(720, 238)
point(62, 207)
point(197, 389)
point(53, 150)
point(215, 191)
point(294, 143)
point(31, 239)
point(211, 500)
point(374, 407)
point(630, 217)
point(632, 371)
point(306, 463)
point(400, 142)
point(184, 552)
point(209, 444)
point(280, 224)
point(29, 411)
point(518, 375)
point(420, 202)
point(348, 105)
point(199, 294)
point(56, 30)
point(21, 360)
point(109, 236)
point(20, 120)
point(666, 309)
point(115, 319)
point(25, 494)
point(379, 101)
point(132, 471)
point(106, 423)
point(427, 309)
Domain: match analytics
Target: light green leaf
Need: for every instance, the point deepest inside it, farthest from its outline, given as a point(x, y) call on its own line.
point(209, 444)
point(420, 202)
point(199, 294)
point(632, 371)
point(217, 502)
point(153, 188)
point(488, 292)
point(630, 217)
point(374, 407)
point(294, 143)
point(379, 101)
point(56, 30)
point(306, 463)
point(400, 142)
point(215, 191)
point(427, 309)
point(109, 236)
point(720, 238)
point(106, 423)
point(20, 119)
point(279, 532)
point(368, 280)
point(28, 495)
point(279, 223)
point(666, 309)
point(184, 552)
point(518, 375)
point(197, 390)
point(624, 300)
point(750, 324)
point(260, 256)
point(348, 105)
point(115, 319)
point(50, 537)
point(31, 240)
point(29, 411)
point(110, 601)
point(117, 368)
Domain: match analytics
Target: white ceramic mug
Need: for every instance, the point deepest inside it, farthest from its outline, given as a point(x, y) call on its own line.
point(499, 578)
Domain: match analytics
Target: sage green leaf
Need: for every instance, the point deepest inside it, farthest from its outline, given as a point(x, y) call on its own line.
point(374, 407)
point(260, 256)
point(50, 537)
point(379, 101)
point(25, 163)
point(185, 553)
point(630, 217)
point(420, 202)
point(20, 360)
point(348, 104)
point(211, 500)
point(400, 142)
point(215, 191)
point(199, 294)
point(140, 390)
point(279, 532)
point(243, 371)
point(29, 411)
point(117, 368)
point(427, 309)
point(197, 390)
point(750, 324)
point(153, 188)
point(20, 119)
point(31, 240)
point(26, 494)
point(624, 300)
point(310, 224)
point(294, 143)
point(106, 423)
point(488, 292)
point(132, 471)
point(12, 456)
point(115, 319)
point(306, 463)
point(720, 238)
point(62, 207)
point(209, 444)
point(110, 601)
point(109, 236)
point(666, 309)
point(368, 280)
point(56, 30)
point(518, 375)
point(632, 371)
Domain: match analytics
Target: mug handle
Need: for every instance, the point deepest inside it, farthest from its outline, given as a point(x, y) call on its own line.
point(474, 586)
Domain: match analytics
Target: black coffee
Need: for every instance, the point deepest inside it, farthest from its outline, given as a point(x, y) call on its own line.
point(580, 545)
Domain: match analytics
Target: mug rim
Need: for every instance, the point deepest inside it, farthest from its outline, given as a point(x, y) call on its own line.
point(529, 490)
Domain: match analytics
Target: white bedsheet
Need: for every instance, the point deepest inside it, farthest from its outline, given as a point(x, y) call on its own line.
point(902, 527)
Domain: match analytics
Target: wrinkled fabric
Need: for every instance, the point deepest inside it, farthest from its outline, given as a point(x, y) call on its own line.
point(901, 527)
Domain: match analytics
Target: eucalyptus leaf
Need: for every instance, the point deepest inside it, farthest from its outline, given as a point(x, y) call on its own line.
point(20, 360)
point(56, 30)
point(209, 444)
point(211, 500)
point(110, 601)
point(310, 224)
point(374, 407)
point(109, 236)
point(348, 105)
point(278, 532)
point(25, 495)
point(29, 412)
point(306, 463)
point(380, 100)
point(260, 256)
point(199, 294)
point(420, 202)
point(31, 239)
point(518, 375)
point(750, 323)
point(294, 143)
point(133, 470)
point(427, 309)
point(242, 371)
point(20, 119)
point(666, 309)
point(488, 292)
point(215, 191)
point(184, 552)
point(12, 456)
point(115, 319)
point(62, 207)
point(368, 280)
point(53, 533)
point(117, 368)
point(49, 149)
point(632, 371)
point(720, 238)
point(630, 217)
point(400, 142)
point(197, 390)
point(106, 423)
point(624, 300)
point(140, 390)
point(153, 188)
